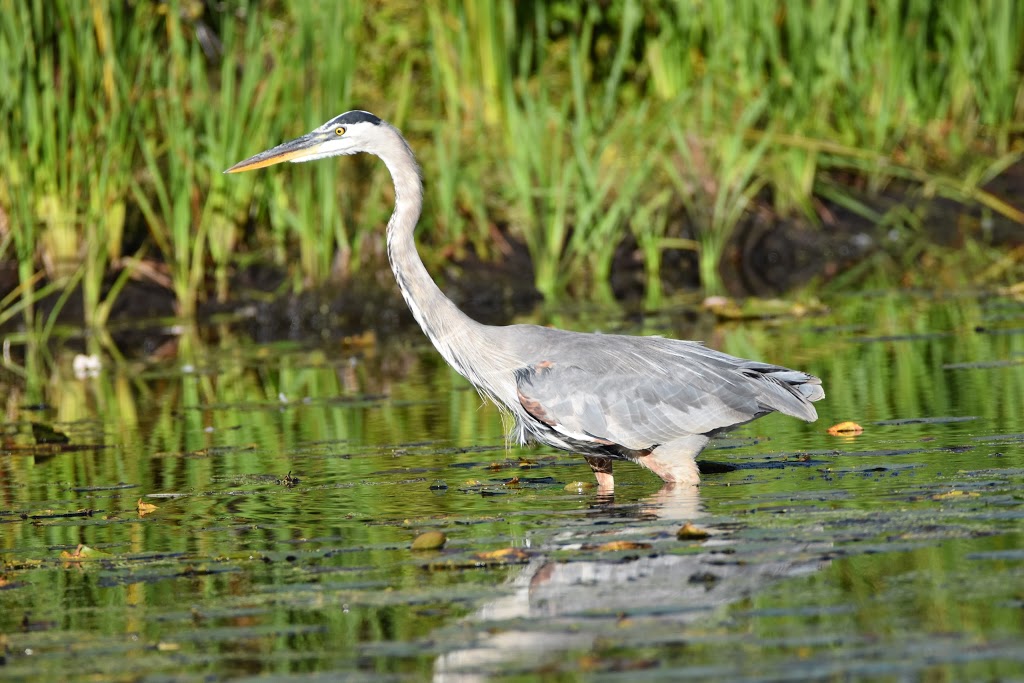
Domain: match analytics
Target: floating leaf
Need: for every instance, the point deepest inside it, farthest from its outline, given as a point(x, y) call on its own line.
point(846, 429)
point(144, 508)
point(579, 486)
point(84, 552)
point(504, 556)
point(948, 495)
point(429, 540)
point(613, 546)
point(689, 532)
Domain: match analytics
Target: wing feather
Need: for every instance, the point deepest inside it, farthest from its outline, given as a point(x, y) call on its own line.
point(644, 391)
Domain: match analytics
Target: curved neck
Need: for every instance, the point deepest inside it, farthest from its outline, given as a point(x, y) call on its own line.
point(450, 330)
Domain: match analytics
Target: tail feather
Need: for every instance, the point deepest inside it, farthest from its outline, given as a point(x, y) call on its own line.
point(794, 393)
point(811, 389)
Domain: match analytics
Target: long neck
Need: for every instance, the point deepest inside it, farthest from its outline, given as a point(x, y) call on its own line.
point(451, 330)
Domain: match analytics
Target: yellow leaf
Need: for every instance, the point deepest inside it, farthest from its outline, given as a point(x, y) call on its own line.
point(613, 546)
point(955, 494)
point(503, 555)
point(83, 552)
point(846, 429)
point(689, 532)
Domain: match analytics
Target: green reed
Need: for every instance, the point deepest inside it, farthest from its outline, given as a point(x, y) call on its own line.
point(65, 201)
point(566, 127)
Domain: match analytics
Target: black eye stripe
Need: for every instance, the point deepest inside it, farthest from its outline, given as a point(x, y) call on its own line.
point(350, 117)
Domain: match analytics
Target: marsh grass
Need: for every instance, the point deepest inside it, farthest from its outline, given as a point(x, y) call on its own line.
point(566, 126)
point(65, 202)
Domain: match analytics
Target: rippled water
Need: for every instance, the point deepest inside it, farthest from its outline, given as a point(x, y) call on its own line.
point(289, 482)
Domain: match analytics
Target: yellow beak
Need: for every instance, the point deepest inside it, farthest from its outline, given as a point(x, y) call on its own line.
point(294, 150)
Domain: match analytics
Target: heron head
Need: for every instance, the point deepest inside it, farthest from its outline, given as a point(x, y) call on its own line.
point(348, 133)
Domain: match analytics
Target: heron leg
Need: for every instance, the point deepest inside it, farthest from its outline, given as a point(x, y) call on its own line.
point(676, 461)
point(602, 469)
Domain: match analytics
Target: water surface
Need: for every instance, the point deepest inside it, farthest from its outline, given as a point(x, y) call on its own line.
point(289, 481)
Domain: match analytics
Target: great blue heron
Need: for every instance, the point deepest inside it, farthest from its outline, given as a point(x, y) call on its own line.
point(651, 400)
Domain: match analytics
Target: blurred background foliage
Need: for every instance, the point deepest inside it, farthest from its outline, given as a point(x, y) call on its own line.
point(593, 137)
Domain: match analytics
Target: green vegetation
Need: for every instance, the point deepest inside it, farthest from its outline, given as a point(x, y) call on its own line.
point(565, 126)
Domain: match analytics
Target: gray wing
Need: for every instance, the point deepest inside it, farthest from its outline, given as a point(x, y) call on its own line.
point(639, 392)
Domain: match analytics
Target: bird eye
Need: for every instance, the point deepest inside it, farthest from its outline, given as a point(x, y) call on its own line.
point(339, 131)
